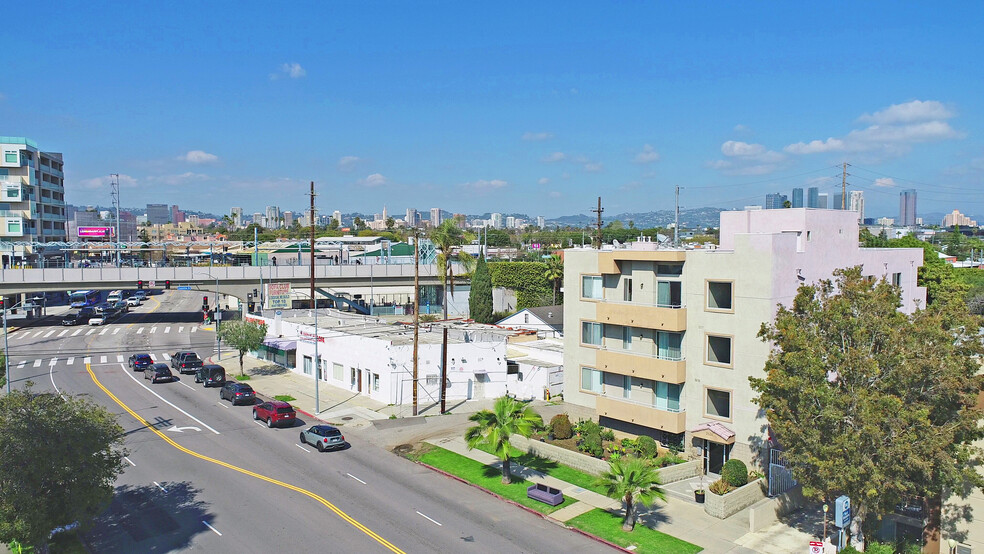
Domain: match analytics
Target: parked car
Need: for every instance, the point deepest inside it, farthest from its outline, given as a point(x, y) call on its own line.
point(210, 375)
point(158, 372)
point(275, 412)
point(79, 317)
point(237, 393)
point(323, 437)
point(139, 362)
point(185, 362)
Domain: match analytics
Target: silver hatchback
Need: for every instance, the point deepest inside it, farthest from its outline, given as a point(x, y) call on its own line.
point(323, 437)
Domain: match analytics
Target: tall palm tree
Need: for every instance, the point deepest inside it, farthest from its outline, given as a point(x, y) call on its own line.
point(446, 238)
point(554, 273)
point(632, 480)
point(493, 429)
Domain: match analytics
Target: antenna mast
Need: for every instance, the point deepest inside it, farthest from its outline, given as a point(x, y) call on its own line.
point(844, 187)
point(598, 211)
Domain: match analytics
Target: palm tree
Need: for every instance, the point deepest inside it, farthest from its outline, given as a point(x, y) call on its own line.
point(554, 273)
point(446, 238)
point(632, 480)
point(507, 417)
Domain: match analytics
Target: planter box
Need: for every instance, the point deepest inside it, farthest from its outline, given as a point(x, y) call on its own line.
point(735, 501)
point(576, 460)
point(679, 472)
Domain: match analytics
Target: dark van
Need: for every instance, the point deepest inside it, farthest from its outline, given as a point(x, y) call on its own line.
point(210, 375)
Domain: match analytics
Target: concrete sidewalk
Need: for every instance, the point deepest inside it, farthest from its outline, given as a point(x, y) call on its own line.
point(53, 314)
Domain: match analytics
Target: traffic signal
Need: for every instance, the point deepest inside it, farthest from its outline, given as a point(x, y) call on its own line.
point(205, 300)
point(2, 305)
point(140, 284)
point(167, 284)
point(250, 305)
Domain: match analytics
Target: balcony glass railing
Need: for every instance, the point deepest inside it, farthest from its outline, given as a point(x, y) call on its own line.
point(657, 403)
point(668, 356)
point(649, 302)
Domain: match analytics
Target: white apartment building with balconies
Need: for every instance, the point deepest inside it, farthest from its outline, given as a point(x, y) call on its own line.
point(32, 199)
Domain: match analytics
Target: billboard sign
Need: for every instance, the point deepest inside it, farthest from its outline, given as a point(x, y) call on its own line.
point(278, 296)
point(96, 232)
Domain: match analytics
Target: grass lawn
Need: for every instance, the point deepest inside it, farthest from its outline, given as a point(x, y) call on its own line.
point(284, 398)
point(242, 377)
point(609, 527)
point(554, 469)
point(487, 477)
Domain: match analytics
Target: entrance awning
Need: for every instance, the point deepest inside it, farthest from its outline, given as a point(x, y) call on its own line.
point(281, 344)
point(714, 432)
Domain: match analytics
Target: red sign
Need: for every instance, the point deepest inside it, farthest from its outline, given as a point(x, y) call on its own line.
point(97, 232)
point(816, 547)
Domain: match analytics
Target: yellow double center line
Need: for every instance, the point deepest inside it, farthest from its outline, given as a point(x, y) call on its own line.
point(351, 521)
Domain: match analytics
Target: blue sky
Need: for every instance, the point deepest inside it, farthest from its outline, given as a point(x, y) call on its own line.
point(512, 107)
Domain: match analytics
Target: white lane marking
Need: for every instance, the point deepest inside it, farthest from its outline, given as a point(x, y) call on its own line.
point(167, 357)
point(167, 329)
point(117, 330)
point(165, 490)
point(212, 528)
point(260, 423)
point(70, 361)
point(20, 365)
point(36, 334)
point(119, 358)
point(222, 404)
point(431, 519)
point(87, 360)
point(49, 333)
point(129, 374)
point(102, 359)
point(51, 375)
point(181, 329)
point(140, 330)
point(359, 480)
point(302, 448)
point(152, 358)
point(189, 386)
point(52, 362)
point(91, 331)
point(153, 329)
point(62, 334)
point(193, 329)
point(37, 363)
point(104, 331)
point(129, 461)
point(76, 332)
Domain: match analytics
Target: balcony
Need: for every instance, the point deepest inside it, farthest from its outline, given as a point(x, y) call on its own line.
point(633, 314)
point(609, 261)
point(643, 366)
point(641, 414)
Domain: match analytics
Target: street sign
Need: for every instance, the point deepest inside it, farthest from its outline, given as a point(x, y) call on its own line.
point(218, 316)
point(842, 511)
point(278, 296)
point(816, 547)
point(152, 284)
point(184, 287)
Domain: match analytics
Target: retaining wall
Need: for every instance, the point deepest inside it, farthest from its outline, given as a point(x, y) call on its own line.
point(766, 512)
point(564, 456)
point(735, 501)
point(679, 472)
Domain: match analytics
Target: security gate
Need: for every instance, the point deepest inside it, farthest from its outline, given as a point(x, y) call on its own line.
point(780, 476)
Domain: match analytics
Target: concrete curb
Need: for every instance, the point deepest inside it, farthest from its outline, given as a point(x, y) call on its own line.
point(528, 509)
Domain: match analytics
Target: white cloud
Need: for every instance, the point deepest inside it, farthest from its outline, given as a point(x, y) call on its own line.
point(554, 157)
point(884, 182)
point(292, 70)
point(738, 148)
point(647, 155)
point(173, 180)
point(537, 136)
point(593, 167)
point(747, 159)
point(374, 180)
point(348, 163)
point(199, 157)
point(893, 131)
point(483, 184)
point(543, 181)
point(97, 183)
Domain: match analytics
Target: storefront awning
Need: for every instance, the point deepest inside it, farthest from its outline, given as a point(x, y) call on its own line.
point(714, 432)
point(281, 344)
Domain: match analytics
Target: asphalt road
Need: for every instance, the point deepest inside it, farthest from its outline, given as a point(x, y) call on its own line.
point(210, 478)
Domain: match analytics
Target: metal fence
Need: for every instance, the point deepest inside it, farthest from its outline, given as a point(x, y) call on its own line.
point(780, 476)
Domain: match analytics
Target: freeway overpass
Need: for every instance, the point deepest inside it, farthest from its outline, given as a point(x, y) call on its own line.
point(232, 280)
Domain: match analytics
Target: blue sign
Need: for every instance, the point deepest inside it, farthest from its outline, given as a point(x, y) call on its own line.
point(842, 511)
point(184, 287)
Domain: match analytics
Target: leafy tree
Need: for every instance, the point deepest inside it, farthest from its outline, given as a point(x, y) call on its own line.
point(47, 483)
point(447, 237)
point(494, 427)
point(554, 273)
point(632, 480)
point(854, 387)
point(244, 336)
point(497, 237)
point(333, 224)
point(358, 224)
point(390, 222)
point(480, 298)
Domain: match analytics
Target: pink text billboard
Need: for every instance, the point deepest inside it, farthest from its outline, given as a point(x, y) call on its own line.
point(96, 232)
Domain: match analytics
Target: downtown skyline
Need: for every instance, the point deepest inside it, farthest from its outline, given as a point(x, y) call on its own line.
point(475, 110)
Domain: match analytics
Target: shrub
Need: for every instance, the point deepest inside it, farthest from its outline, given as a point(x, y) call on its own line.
point(560, 426)
point(591, 444)
point(608, 435)
point(628, 445)
point(668, 459)
point(720, 487)
point(646, 446)
point(588, 427)
point(735, 473)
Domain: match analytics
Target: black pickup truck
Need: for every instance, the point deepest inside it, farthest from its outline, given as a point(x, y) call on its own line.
point(185, 362)
point(80, 317)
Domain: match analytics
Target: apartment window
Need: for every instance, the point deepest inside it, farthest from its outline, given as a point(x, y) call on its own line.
point(591, 287)
point(718, 403)
point(627, 338)
point(355, 376)
point(308, 361)
point(10, 157)
point(337, 372)
point(718, 350)
point(626, 386)
point(591, 380)
point(591, 333)
point(375, 381)
point(627, 289)
point(669, 270)
point(897, 279)
point(667, 396)
point(719, 295)
point(13, 192)
point(668, 294)
point(964, 549)
point(668, 345)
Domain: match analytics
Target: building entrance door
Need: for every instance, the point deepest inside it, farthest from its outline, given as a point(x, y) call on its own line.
point(715, 454)
point(360, 381)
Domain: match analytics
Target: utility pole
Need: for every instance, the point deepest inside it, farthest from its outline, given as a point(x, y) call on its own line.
point(676, 220)
point(444, 335)
point(116, 200)
point(416, 311)
point(314, 306)
point(844, 187)
point(256, 258)
point(598, 211)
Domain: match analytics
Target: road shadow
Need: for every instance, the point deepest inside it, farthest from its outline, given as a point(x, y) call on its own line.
point(148, 519)
point(269, 369)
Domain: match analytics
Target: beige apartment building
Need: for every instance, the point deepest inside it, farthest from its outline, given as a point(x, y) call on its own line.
point(661, 341)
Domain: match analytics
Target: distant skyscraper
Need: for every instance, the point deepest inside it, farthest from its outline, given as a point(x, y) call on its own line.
point(541, 222)
point(337, 216)
point(497, 221)
point(288, 219)
point(158, 214)
point(823, 201)
point(435, 217)
point(838, 201)
point(797, 198)
point(385, 214)
point(907, 208)
point(411, 217)
point(237, 217)
point(857, 204)
point(957, 218)
point(177, 216)
point(273, 217)
point(510, 222)
point(813, 197)
point(258, 218)
point(775, 201)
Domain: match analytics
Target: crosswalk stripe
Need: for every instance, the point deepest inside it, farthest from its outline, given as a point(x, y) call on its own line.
point(167, 357)
point(36, 334)
point(153, 329)
point(49, 333)
point(119, 358)
point(140, 330)
point(91, 331)
point(87, 360)
point(167, 329)
point(181, 329)
point(117, 330)
point(193, 329)
point(70, 361)
point(103, 332)
point(20, 365)
point(153, 358)
point(37, 363)
point(53, 361)
point(62, 334)
point(76, 332)
point(102, 359)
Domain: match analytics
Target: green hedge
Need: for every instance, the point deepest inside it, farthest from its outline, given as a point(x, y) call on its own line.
point(527, 279)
